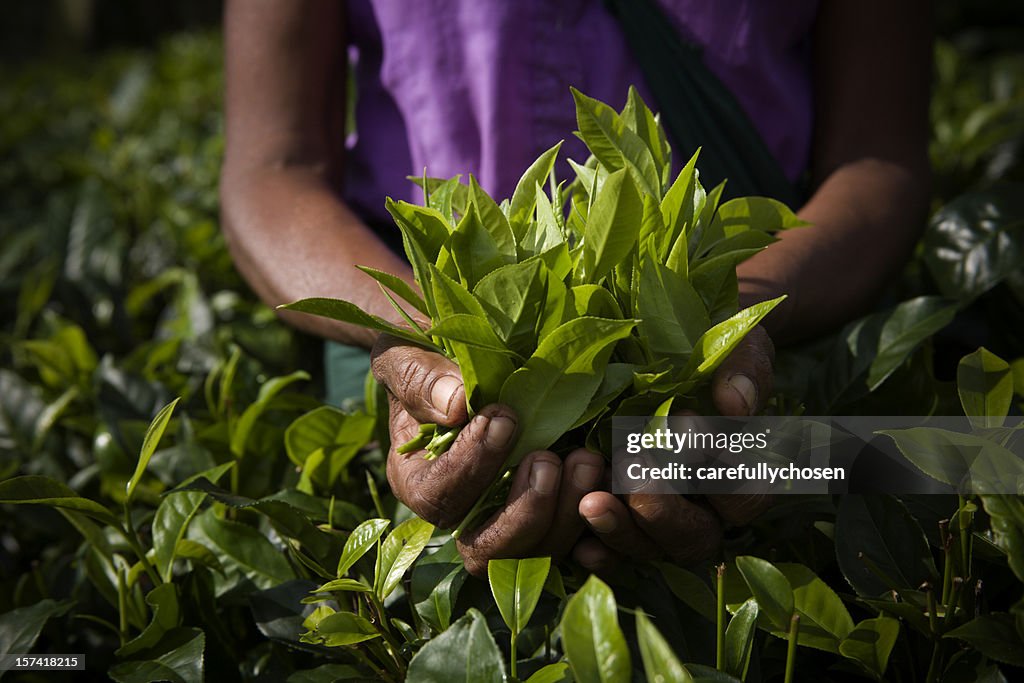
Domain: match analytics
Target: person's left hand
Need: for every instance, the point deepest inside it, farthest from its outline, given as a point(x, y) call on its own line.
point(651, 526)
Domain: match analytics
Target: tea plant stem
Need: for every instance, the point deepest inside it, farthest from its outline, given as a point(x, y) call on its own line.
point(794, 632)
point(132, 536)
point(720, 620)
point(393, 647)
point(98, 620)
point(467, 522)
point(933, 626)
point(965, 519)
point(947, 559)
point(122, 607)
point(387, 658)
point(375, 496)
point(512, 654)
point(380, 673)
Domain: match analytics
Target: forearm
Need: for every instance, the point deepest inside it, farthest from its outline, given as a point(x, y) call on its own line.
point(292, 237)
point(865, 218)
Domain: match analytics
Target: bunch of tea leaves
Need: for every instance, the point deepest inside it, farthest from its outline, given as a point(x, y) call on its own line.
point(570, 303)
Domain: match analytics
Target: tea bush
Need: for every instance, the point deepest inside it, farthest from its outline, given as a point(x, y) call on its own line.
point(180, 505)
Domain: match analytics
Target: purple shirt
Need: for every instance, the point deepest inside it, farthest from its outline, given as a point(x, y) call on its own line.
point(482, 86)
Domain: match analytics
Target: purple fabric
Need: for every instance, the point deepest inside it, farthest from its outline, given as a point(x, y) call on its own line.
point(482, 86)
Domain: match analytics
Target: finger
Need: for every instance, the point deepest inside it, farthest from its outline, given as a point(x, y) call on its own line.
point(426, 384)
point(517, 529)
point(740, 509)
point(582, 471)
point(610, 520)
point(442, 490)
point(743, 382)
point(685, 531)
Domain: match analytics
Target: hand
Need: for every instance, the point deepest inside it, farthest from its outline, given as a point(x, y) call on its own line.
point(649, 526)
point(540, 516)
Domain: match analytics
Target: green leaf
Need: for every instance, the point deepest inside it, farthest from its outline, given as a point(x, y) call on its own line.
point(672, 314)
point(474, 249)
point(20, 628)
point(482, 370)
point(398, 286)
point(340, 436)
point(343, 585)
point(399, 550)
point(638, 118)
point(555, 386)
point(690, 589)
point(967, 462)
point(615, 145)
point(199, 554)
point(243, 427)
point(423, 226)
point(682, 202)
point(994, 635)
point(552, 673)
point(149, 444)
point(493, 220)
point(516, 586)
point(524, 198)
point(660, 664)
point(824, 620)
point(344, 628)
point(763, 214)
point(359, 542)
point(326, 673)
point(870, 644)
point(770, 588)
point(38, 490)
point(739, 639)
point(880, 530)
point(469, 330)
point(904, 330)
point(593, 642)
point(172, 518)
point(244, 548)
point(178, 660)
point(1007, 515)
point(975, 241)
point(346, 312)
point(514, 299)
point(437, 579)
point(985, 384)
point(612, 227)
point(465, 653)
point(166, 615)
point(717, 343)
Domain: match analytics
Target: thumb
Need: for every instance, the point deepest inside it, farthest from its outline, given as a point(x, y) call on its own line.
point(426, 384)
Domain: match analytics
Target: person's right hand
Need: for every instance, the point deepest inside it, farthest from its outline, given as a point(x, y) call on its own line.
point(540, 516)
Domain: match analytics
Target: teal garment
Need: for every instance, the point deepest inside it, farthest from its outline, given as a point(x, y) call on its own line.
point(346, 368)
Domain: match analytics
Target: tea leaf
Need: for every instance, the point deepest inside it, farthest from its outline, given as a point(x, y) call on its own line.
point(672, 314)
point(612, 227)
point(180, 660)
point(465, 653)
point(359, 542)
point(985, 385)
point(770, 588)
point(35, 489)
point(398, 286)
point(717, 343)
point(994, 635)
point(739, 639)
point(870, 643)
point(593, 642)
point(149, 444)
point(524, 198)
point(516, 586)
point(660, 664)
point(346, 312)
point(555, 386)
point(399, 550)
point(904, 330)
point(881, 537)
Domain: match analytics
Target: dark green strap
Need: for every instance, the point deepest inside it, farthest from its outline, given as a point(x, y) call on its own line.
point(697, 109)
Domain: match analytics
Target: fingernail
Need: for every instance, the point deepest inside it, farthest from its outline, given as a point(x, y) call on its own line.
point(443, 392)
point(743, 386)
point(499, 431)
point(544, 477)
point(603, 524)
point(586, 476)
